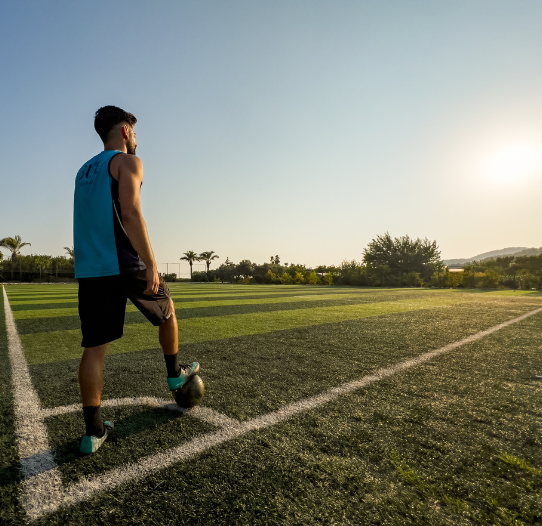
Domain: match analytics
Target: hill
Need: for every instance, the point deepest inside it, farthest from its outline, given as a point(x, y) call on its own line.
point(510, 251)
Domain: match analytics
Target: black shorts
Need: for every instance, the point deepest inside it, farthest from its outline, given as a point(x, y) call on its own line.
point(102, 304)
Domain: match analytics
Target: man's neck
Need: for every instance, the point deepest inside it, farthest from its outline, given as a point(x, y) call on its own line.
point(119, 146)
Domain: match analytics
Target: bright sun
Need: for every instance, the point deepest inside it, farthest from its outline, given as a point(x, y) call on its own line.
point(514, 162)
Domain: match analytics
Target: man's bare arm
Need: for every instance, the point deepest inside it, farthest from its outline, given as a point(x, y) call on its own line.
point(130, 176)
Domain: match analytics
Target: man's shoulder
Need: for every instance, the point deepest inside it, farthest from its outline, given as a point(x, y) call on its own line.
point(125, 163)
point(128, 162)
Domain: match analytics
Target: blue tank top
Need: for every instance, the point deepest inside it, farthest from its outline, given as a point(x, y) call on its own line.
point(101, 246)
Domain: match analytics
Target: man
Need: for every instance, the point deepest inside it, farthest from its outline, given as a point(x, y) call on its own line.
point(114, 261)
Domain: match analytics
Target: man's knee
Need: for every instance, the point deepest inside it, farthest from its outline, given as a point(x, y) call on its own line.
point(95, 353)
point(171, 318)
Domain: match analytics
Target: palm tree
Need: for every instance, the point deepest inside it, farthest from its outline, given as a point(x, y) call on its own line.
point(190, 256)
point(208, 257)
point(70, 252)
point(14, 245)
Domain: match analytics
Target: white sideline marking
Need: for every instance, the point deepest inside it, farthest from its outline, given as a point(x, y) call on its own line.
point(37, 463)
point(43, 491)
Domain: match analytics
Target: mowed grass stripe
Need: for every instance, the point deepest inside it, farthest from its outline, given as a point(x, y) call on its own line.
point(40, 300)
point(72, 311)
point(64, 345)
point(38, 305)
point(36, 292)
point(254, 291)
point(35, 325)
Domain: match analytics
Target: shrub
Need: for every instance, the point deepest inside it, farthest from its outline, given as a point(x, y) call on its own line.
point(271, 277)
point(438, 279)
point(313, 278)
point(454, 279)
point(286, 279)
point(527, 280)
point(490, 279)
point(412, 279)
point(328, 279)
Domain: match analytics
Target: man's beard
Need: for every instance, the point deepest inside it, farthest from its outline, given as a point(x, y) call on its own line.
point(131, 148)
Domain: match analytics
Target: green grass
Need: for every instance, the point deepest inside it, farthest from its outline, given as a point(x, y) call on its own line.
point(456, 440)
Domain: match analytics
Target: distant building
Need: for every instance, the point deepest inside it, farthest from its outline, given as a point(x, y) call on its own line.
point(455, 268)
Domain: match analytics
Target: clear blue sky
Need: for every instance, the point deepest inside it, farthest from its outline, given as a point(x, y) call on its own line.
point(298, 128)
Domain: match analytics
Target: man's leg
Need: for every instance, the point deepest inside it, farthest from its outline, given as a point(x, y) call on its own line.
point(91, 375)
point(160, 311)
point(102, 304)
point(168, 336)
point(91, 384)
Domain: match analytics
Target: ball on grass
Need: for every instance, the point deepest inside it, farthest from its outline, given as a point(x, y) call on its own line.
point(190, 393)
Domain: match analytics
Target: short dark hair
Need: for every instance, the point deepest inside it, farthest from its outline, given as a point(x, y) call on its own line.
point(108, 117)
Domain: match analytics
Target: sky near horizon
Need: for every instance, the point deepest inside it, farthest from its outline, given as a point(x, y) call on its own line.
point(298, 128)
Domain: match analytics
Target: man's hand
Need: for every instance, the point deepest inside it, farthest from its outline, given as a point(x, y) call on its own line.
point(153, 281)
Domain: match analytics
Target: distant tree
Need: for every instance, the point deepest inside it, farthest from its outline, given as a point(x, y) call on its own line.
point(208, 257)
point(313, 278)
point(190, 256)
point(277, 260)
point(439, 267)
point(286, 279)
point(352, 273)
point(490, 279)
point(402, 255)
point(454, 279)
point(245, 268)
point(528, 280)
point(14, 245)
point(70, 252)
point(226, 271)
point(42, 262)
point(328, 279)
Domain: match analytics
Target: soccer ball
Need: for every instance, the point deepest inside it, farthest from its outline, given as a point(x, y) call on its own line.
point(190, 393)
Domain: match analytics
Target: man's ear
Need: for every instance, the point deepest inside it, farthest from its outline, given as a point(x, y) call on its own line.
point(125, 132)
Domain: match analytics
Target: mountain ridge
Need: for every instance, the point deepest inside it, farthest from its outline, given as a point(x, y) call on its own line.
point(510, 251)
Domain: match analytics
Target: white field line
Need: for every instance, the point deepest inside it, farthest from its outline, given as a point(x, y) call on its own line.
point(43, 493)
point(37, 463)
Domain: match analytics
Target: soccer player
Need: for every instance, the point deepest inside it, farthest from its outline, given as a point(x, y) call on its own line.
point(114, 261)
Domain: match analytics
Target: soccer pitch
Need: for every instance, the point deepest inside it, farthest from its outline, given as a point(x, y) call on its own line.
point(323, 405)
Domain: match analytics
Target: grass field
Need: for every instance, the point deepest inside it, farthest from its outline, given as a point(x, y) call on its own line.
point(323, 406)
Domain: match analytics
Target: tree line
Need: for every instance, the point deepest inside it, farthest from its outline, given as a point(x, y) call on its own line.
point(34, 266)
point(386, 262)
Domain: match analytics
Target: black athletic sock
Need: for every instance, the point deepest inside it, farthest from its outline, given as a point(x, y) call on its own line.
point(93, 421)
point(172, 365)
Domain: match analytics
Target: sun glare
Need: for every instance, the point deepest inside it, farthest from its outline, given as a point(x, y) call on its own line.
point(514, 162)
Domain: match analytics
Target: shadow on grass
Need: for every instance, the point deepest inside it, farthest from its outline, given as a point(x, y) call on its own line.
point(125, 428)
point(10, 475)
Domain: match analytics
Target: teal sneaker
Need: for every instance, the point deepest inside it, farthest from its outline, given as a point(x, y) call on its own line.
point(90, 444)
point(185, 373)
